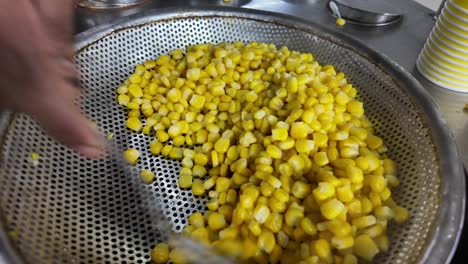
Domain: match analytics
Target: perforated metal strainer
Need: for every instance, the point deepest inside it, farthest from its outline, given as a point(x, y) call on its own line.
point(67, 209)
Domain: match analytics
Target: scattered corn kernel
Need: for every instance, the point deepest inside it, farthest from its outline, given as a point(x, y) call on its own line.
point(131, 155)
point(147, 176)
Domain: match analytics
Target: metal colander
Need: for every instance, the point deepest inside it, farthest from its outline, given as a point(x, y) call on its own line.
point(67, 209)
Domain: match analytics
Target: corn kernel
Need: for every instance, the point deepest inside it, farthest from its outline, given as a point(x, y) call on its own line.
point(185, 181)
point(332, 208)
point(160, 253)
point(266, 241)
point(216, 221)
point(322, 248)
point(197, 220)
point(299, 130)
point(131, 155)
point(340, 22)
point(134, 124)
point(401, 214)
point(300, 189)
point(147, 176)
point(197, 187)
point(365, 247)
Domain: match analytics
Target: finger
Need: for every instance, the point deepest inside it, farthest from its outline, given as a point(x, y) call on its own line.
point(63, 121)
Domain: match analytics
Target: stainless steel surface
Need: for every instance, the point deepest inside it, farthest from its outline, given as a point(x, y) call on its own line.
point(109, 4)
point(366, 12)
point(91, 214)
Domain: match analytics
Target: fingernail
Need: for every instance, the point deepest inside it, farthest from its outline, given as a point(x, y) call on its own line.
point(90, 151)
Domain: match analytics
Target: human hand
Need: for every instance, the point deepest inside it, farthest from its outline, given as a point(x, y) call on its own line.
point(37, 71)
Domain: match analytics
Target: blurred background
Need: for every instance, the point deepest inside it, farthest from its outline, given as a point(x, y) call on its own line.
point(432, 4)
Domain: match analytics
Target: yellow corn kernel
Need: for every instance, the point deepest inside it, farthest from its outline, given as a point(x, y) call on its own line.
point(274, 152)
point(266, 241)
point(254, 228)
point(185, 171)
point(131, 155)
point(340, 22)
point(213, 204)
point(34, 156)
point(308, 226)
point(266, 189)
point(299, 130)
point(342, 242)
point(197, 101)
point(366, 205)
point(374, 142)
point(162, 136)
point(196, 220)
point(304, 145)
point(383, 213)
point(382, 243)
point(293, 216)
point(365, 247)
point(134, 124)
point(187, 162)
point(261, 213)
point(185, 181)
point(215, 158)
point(323, 191)
point(147, 176)
point(364, 221)
point(339, 228)
point(322, 248)
point(160, 253)
point(223, 184)
point(176, 153)
point(231, 197)
point(300, 189)
point(375, 199)
point(355, 174)
point(216, 221)
point(200, 159)
point(296, 162)
point(123, 99)
point(198, 171)
point(226, 210)
point(197, 187)
point(400, 214)
point(350, 259)
point(332, 208)
point(281, 195)
point(231, 232)
point(222, 145)
point(321, 158)
point(355, 108)
point(344, 193)
point(279, 134)
point(374, 231)
point(193, 74)
point(135, 90)
point(122, 89)
point(178, 256)
point(201, 235)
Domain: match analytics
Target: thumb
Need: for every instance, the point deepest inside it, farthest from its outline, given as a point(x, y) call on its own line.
point(63, 121)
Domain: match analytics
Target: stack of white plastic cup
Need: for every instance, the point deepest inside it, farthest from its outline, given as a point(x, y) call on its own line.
point(444, 58)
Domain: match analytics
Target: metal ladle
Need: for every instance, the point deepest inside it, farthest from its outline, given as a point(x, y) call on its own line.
point(365, 12)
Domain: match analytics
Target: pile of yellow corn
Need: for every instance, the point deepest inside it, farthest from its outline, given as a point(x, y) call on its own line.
point(282, 149)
